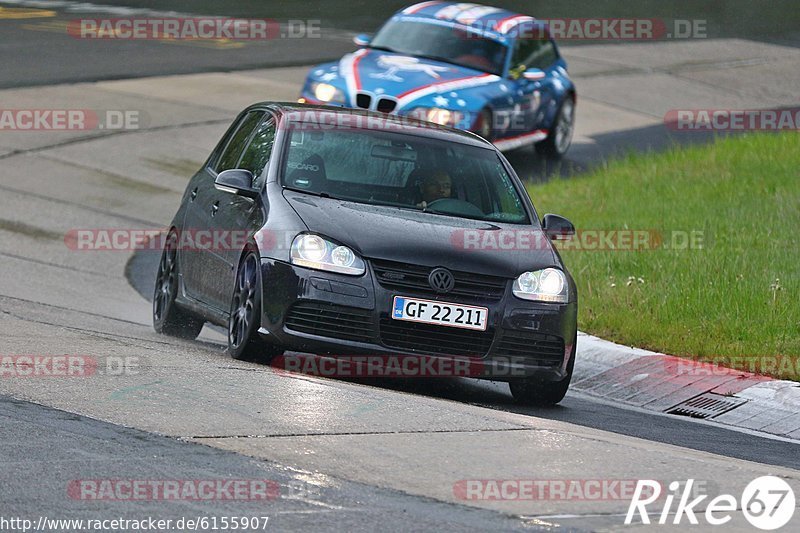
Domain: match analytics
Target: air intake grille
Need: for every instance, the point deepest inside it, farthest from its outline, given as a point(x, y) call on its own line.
point(547, 350)
point(429, 339)
point(386, 105)
point(329, 320)
point(363, 100)
point(402, 276)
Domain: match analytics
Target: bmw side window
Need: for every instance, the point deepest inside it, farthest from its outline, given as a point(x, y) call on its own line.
point(535, 53)
point(258, 152)
point(235, 147)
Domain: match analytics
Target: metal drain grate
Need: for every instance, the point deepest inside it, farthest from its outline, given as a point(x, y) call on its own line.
point(706, 405)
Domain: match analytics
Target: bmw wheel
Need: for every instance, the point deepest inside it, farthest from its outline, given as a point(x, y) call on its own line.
point(168, 318)
point(244, 341)
point(559, 138)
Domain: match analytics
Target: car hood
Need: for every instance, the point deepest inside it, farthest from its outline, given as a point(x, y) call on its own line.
point(407, 78)
point(410, 236)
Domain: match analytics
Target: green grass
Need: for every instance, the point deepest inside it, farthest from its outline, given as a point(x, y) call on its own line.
point(737, 296)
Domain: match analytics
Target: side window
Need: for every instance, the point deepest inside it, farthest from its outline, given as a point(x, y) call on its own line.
point(534, 53)
point(257, 154)
point(507, 197)
point(230, 156)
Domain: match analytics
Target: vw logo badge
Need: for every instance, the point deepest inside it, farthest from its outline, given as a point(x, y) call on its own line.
point(441, 280)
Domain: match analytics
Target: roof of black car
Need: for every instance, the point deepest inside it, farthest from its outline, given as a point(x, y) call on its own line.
point(333, 116)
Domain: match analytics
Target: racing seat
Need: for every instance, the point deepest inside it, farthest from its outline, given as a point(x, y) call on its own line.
point(411, 193)
point(309, 174)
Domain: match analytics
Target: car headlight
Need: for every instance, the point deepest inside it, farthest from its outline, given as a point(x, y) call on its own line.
point(325, 92)
point(548, 285)
point(313, 251)
point(437, 115)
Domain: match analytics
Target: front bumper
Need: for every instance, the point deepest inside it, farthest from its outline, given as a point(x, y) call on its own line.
point(319, 312)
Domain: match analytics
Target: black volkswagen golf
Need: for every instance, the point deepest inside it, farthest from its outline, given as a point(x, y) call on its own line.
point(335, 231)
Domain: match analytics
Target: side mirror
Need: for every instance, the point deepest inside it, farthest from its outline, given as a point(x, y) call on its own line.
point(557, 227)
point(533, 74)
point(362, 39)
point(236, 181)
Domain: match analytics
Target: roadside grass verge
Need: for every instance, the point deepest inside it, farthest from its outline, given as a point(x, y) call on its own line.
point(736, 300)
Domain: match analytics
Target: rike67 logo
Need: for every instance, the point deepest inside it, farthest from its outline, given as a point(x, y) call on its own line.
point(767, 502)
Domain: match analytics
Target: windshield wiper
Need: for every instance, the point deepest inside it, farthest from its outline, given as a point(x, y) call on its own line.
point(385, 49)
point(321, 194)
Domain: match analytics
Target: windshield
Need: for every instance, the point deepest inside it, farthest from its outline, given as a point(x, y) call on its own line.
point(404, 171)
point(445, 43)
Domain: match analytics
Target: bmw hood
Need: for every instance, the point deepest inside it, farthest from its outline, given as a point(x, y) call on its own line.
point(412, 81)
point(411, 236)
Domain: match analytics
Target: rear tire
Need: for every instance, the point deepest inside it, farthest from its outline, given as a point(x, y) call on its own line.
point(168, 318)
point(559, 138)
point(244, 341)
point(538, 392)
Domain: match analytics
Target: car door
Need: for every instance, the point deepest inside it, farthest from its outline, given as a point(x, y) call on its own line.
point(238, 217)
point(201, 255)
point(536, 89)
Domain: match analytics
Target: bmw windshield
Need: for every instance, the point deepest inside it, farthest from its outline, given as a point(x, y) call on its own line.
point(459, 46)
point(405, 171)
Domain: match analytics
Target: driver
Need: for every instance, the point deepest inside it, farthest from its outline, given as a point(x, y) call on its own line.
point(435, 187)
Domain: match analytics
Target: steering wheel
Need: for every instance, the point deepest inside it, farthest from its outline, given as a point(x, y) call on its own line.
point(454, 206)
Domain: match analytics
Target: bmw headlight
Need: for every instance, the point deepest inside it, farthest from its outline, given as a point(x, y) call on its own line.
point(548, 285)
point(325, 92)
point(313, 251)
point(437, 115)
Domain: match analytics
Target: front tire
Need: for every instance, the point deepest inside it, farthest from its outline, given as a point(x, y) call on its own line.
point(244, 341)
point(168, 318)
point(538, 392)
point(559, 138)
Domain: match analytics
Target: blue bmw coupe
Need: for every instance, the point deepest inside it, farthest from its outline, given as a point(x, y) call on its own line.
point(473, 67)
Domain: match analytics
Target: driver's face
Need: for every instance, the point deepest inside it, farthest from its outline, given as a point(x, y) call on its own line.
point(436, 187)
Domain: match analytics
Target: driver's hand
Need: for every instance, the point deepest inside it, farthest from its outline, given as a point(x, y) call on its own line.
point(423, 204)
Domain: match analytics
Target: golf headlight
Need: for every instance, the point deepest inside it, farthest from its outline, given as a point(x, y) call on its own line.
point(313, 251)
point(548, 285)
point(325, 92)
point(437, 115)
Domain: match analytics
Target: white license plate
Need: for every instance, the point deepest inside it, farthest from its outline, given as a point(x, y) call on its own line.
point(440, 313)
